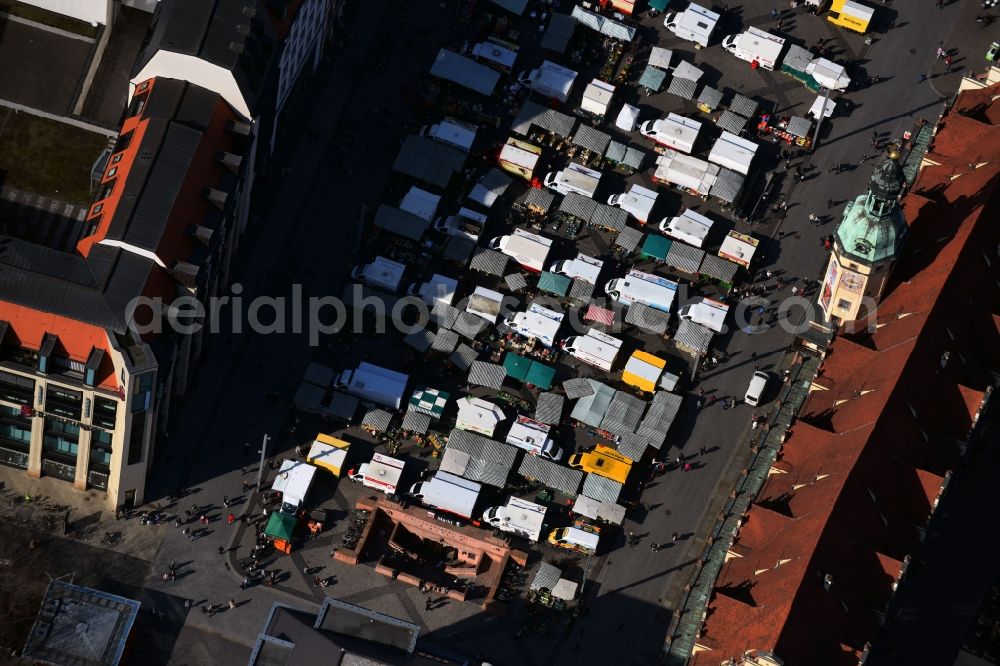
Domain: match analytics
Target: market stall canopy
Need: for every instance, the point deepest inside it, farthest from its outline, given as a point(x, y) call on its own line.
point(593, 140)
point(796, 60)
point(465, 72)
point(581, 290)
point(733, 152)
point(718, 268)
point(463, 356)
point(659, 5)
point(652, 78)
point(600, 315)
point(603, 25)
point(421, 203)
point(609, 512)
point(628, 239)
point(727, 185)
point(538, 199)
point(818, 105)
point(590, 409)
point(692, 337)
point(623, 414)
point(660, 415)
point(660, 57)
point(553, 283)
point(342, 406)
point(429, 401)
point(559, 32)
point(515, 282)
point(428, 160)
point(478, 458)
point(686, 70)
point(601, 488)
point(377, 419)
point(533, 113)
point(684, 257)
point(488, 261)
point(415, 421)
point(577, 388)
point(400, 222)
point(280, 526)
point(732, 122)
point(548, 409)
point(490, 188)
point(445, 341)
point(551, 475)
point(828, 74)
point(743, 105)
point(655, 247)
point(293, 481)
point(485, 374)
point(683, 88)
point(799, 126)
point(686, 171)
point(627, 118)
point(328, 452)
point(710, 98)
point(648, 319)
point(513, 6)
point(458, 249)
point(546, 577)
point(633, 446)
point(529, 371)
point(739, 248)
point(478, 415)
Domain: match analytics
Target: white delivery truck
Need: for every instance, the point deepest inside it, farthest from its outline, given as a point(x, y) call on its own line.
point(439, 289)
point(382, 273)
point(695, 24)
point(382, 473)
point(583, 268)
point(539, 323)
point(690, 227)
point(528, 249)
point(595, 348)
point(533, 437)
point(448, 492)
point(755, 45)
point(705, 311)
point(519, 517)
point(550, 80)
point(574, 178)
point(374, 384)
point(638, 201)
point(637, 287)
point(452, 132)
point(674, 131)
point(465, 222)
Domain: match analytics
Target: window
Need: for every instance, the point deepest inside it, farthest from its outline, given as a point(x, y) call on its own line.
point(843, 304)
point(100, 448)
point(15, 429)
point(135, 438)
point(16, 389)
point(138, 103)
point(105, 413)
point(117, 158)
point(123, 142)
point(106, 191)
point(61, 438)
point(142, 389)
point(97, 209)
point(111, 172)
point(63, 403)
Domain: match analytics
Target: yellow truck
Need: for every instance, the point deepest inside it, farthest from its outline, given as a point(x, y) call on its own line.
point(519, 158)
point(581, 537)
point(643, 370)
point(851, 15)
point(603, 461)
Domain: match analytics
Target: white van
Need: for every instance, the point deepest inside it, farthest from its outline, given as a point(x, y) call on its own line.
point(756, 388)
point(574, 178)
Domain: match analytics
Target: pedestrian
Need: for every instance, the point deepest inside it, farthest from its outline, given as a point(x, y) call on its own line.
point(674, 537)
point(244, 583)
point(231, 518)
point(187, 533)
point(769, 274)
point(756, 366)
point(187, 604)
point(702, 450)
point(203, 519)
point(923, 77)
point(631, 538)
point(244, 469)
point(814, 219)
point(940, 51)
point(864, 158)
point(232, 603)
point(940, 4)
point(654, 547)
point(947, 64)
point(753, 356)
point(221, 550)
point(225, 501)
point(427, 604)
point(687, 467)
point(830, 203)
point(775, 13)
point(177, 522)
point(795, 291)
point(874, 138)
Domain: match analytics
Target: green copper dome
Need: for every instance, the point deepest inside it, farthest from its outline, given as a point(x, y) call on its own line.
point(873, 226)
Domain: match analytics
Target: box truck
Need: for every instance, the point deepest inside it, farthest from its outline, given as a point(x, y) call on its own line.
point(452, 132)
point(638, 201)
point(382, 273)
point(690, 227)
point(755, 45)
point(852, 15)
point(439, 289)
point(603, 461)
point(519, 158)
point(733, 152)
point(539, 323)
point(448, 492)
point(583, 268)
point(382, 473)
point(533, 437)
point(550, 80)
point(518, 516)
point(695, 24)
point(705, 311)
point(528, 249)
point(465, 222)
point(595, 348)
point(574, 178)
point(674, 131)
point(373, 383)
point(637, 287)
point(597, 98)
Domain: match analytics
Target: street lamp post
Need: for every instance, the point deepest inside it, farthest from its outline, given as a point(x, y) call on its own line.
point(260, 469)
point(819, 120)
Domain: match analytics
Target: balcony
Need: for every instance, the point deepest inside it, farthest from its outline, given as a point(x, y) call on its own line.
point(58, 470)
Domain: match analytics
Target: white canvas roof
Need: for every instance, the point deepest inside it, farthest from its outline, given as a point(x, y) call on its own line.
point(539, 323)
point(690, 227)
point(737, 249)
point(640, 368)
point(660, 57)
point(477, 415)
point(421, 203)
point(485, 303)
point(828, 74)
point(439, 288)
point(518, 156)
point(455, 132)
point(817, 106)
point(627, 118)
point(733, 152)
point(384, 472)
point(597, 96)
point(686, 70)
point(682, 132)
point(494, 52)
point(686, 171)
point(293, 479)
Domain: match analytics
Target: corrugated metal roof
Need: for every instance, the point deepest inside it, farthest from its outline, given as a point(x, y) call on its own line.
point(549, 408)
point(693, 338)
point(420, 340)
point(659, 417)
point(459, 248)
point(488, 261)
point(551, 475)
point(615, 152)
point(732, 122)
point(578, 206)
point(465, 72)
point(647, 318)
point(416, 421)
point(633, 446)
point(609, 217)
point(546, 577)
point(318, 374)
point(727, 186)
point(577, 388)
point(443, 315)
point(683, 88)
point(581, 291)
point(495, 182)
point(559, 33)
point(463, 356)
point(797, 59)
point(342, 406)
point(428, 160)
point(400, 222)
point(445, 341)
point(590, 409)
point(377, 419)
point(623, 414)
point(710, 97)
point(628, 239)
point(684, 257)
point(743, 105)
point(515, 282)
point(309, 398)
point(513, 6)
point(533, 113)
point(600, 488)
point(634, 157)
point(469, 325)
point(478, 458)
point(718, 268)
point(798, 126)
point(591, 139)
point(553, 283)
point(489, 375)
point(539, 198)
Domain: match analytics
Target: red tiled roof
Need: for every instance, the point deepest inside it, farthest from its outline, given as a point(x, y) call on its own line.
point(865, 462)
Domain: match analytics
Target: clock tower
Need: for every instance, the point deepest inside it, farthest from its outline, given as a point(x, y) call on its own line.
point(865, 247)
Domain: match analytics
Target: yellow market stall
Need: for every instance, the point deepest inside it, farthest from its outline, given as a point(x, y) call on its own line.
point(643, 371)
point(329, 453)
point(519, 158)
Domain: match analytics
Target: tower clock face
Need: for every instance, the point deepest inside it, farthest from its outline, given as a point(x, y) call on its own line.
point(862, 246)
point(852, 281)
